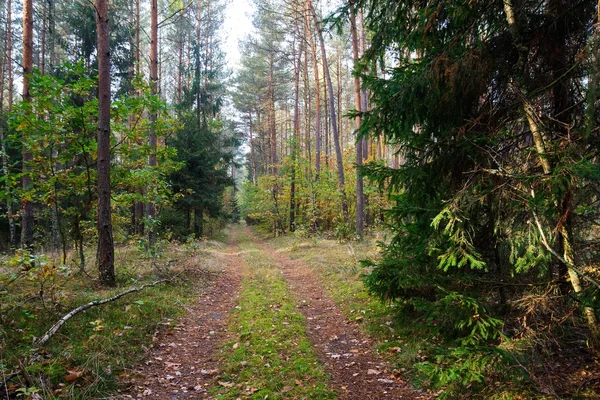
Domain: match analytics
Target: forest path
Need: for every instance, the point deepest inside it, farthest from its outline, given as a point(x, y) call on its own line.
point(184, 361)
point(197, 359)
point(356, 371)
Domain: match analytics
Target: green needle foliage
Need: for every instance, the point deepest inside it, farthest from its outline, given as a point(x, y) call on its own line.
point(479, 201)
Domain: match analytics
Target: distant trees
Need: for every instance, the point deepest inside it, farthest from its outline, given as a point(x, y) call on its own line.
point(94, 139)
point(310, 123)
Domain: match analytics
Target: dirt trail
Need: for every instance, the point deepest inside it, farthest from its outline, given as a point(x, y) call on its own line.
point(184, 361)
point(347, 354)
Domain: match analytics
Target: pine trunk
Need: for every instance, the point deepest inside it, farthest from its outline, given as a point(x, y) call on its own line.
point(9, 55)
point(27, 228)
point(105, 239)
point(360, 215)
point(334, 125)
point(152, 142)
point(296, 138)
point(271, 117)
point(6, 64)
point(313, 50)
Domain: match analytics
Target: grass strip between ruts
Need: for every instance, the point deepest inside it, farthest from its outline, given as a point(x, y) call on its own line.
point(270, 355)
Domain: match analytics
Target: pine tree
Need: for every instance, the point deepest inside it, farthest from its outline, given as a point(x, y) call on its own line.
point(106, 257)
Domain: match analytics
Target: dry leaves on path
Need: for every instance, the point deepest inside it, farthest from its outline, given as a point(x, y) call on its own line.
point(183, 363)
point(347, 354)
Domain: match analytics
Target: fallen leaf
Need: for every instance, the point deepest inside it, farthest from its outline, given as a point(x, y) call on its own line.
point(208, 372)
point(373, 372)
point(226, 384)
point(172, 364)
point(74, 374)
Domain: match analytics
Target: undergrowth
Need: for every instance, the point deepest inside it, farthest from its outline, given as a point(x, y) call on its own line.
point(88, 354)
point(424, 355)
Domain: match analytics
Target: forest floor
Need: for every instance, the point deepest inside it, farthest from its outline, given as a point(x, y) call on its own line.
point(268, 328)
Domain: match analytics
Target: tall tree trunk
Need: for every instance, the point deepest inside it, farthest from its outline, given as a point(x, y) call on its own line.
point(139, 205)
point(198, 69)
point(360, 214)
point(52, 32)
point(334, 125)
point(106, 256)
point(9, 53)
point(307, 103)
point(200, 212)
point(48, 31)
point(363, 92)
point(5, 63)
point(252, 151)
point(27, 228)
point(326, 122)
point(137, 38)
point(206, 51)
point(313, 50)
point(296, 138)
point(271, 116)
point(180, 65)
point(43, 44)
point(152, 142)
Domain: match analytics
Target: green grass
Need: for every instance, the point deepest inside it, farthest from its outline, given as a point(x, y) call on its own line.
point(338, 265)
point(399, 338)
point(88, 354)
point(270, 355)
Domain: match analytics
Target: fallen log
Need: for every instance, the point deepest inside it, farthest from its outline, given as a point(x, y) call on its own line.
point(91, 304)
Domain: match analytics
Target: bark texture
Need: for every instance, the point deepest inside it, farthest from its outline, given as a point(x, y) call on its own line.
point(27, 228)
point(106, 251)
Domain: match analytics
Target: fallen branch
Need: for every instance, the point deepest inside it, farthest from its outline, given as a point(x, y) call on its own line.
point(5, 380)
point(91, 304)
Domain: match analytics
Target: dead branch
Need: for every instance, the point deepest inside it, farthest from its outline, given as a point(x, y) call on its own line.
point(91, 304)
point(579, 272)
